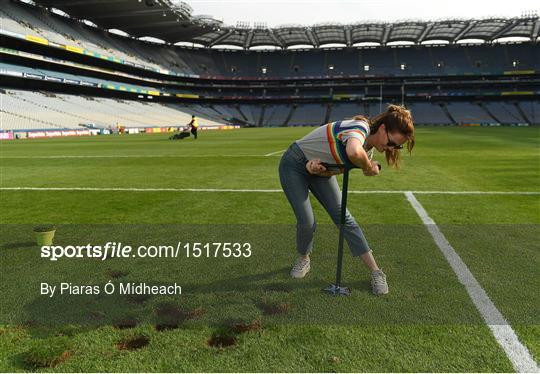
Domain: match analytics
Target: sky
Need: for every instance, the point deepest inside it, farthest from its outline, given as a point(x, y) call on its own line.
point(307, 13)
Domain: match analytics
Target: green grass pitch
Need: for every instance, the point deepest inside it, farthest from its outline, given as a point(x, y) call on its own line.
point(247, 314)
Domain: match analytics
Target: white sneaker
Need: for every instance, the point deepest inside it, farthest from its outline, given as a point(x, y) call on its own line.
point(301, 268)
point(378, 283)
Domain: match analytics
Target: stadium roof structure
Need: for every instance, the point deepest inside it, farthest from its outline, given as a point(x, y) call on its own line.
point(172, 21)
point(168, 20)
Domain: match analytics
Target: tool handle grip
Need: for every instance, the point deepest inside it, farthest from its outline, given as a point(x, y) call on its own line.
point(337, 167)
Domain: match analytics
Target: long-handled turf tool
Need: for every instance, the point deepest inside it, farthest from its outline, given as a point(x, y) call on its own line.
point(336, 288)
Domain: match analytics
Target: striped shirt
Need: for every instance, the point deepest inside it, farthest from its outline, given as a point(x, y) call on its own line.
point(327, 143)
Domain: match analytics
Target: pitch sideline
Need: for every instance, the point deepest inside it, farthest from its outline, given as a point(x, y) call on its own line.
point(52, 157)
point(171, 189)
point(275, 153)
point(516, 352)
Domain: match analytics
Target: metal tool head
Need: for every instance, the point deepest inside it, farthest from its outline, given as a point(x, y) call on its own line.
point(336, 290)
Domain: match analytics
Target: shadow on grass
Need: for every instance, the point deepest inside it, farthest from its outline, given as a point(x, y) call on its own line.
point(18, 245)
point(94, 311)
point(359, 286)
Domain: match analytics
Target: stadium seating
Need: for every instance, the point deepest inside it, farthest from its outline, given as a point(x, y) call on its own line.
point(428, 113)
point(345, 110)
point(68, 111)
point(36, 110)
point(226, 112)
point(26, 19)
point(251, 113)
point(308, 114)
point(202, 111)
point(505, 113)
point(531, 109)
point(465, 113)
point(61, 30)
point(276, 115)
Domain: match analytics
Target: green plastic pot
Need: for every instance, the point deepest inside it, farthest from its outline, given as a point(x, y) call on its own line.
point(44, 237)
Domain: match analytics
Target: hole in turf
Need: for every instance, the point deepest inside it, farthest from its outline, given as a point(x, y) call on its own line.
point(194, 314)
point(222, 341)
point(46, 353)
point(240, 327)
point(133, 343)
point(126, 323)
point(63, 358)
point(169, 312)
point(30, 323)
point(275, 308)
point(166, 326)
point(170, 316)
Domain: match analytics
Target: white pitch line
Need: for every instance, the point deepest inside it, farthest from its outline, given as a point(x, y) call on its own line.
point(172, 189)
point(456, 192)
point(123, 156)
point(274, 153)
point(517, 353)
point(133, 189)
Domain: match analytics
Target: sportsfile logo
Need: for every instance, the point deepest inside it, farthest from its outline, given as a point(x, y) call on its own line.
point(119, 250)
point(109, 250)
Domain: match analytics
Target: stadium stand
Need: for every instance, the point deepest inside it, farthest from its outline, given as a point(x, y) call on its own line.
point(202, 111)
point(225, 112)
point(62, 75)
point(486, 83)
point(468, 113)
point(276, 115)
point(345, 110)
point(428, 113)
point(30, 20)
point(390, 60)
point(250, 113)
point(24, 110)
point(504, 113)
point(308, 114)
point(530, 111)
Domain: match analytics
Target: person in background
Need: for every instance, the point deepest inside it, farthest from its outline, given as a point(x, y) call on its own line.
point(193, 126)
